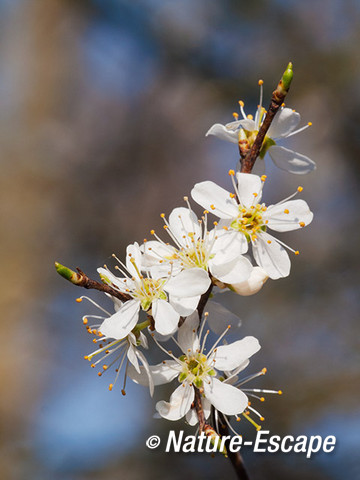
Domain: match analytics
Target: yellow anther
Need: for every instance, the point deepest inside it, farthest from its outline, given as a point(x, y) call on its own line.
point(99, 374)
point(264, 370)
point(86, 357)
point(231, 173)
point(309, 123)
point(250, 117)
point(145, 240)
point(262, 399)
point(232, 195)
point(260, 82)
point(297, 252)
point(300, 189)
point(238, 419)
point(235, 115)
point(286, 210)
point(225, 228)
point(111, 386)
point(105, 367)
point(255, 194)
point(280, 392)
point(241, 103)
point(283, 104)
point(186, 199)
point(215, 223)
point(85, 321)
point(262, 419)
point(123, 392)
point(92, 365)
point(94, 340)
point(79, 300)
point(263, 178)
point(269, 241)
point(152, 232)
point(165, 227)
point(302, 224)
point(162, 215)
point(212, 207)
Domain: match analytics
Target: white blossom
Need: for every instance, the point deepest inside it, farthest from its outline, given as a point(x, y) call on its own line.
point(162, 297)
point(284, 125)
point(196, 247)
point(246, 220)
point(200, 369)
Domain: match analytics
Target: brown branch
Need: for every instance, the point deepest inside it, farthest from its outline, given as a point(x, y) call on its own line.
point(278, 96)
point(199, 410)
point(203, 301)
point(80, 279)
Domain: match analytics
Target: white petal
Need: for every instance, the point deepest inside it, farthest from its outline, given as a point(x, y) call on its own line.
point(184, 306)
point(237, 271)
point(110, 279)
point(188, 283)
point(228, 357)
point(146, 367)
point(249, 187)
point(223, 133)
point(122, 322)
point(271, 257)
point(161, 373)
point(224, 397)
point(182, 221)
point(133, 253)
point(208, 194)
point(131, 354)
point(179, 405)
point(299, 212)
point(253, 284)
point(247, 124)
point(166, 319)
point(291, 161)
point(285, 121)
point(228, 245)
point(220, 317)
point(191, 416)
point(154, 251)
point(187, 336)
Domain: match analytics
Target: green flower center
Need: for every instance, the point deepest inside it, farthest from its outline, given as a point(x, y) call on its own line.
point(148, 291)
point(195, 369)
point(250, 221)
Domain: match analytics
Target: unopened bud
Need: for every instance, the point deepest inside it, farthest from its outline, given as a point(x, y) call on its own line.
point(68, 274)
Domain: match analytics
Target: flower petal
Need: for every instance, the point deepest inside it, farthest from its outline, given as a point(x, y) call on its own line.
point(249, 187)
point(133, 255)
point(220, 317)
point(120, 324)
point(179, 405)
point(253, 284)
point(288, 216)
point(231, 356)
point(154, 251)
point(228, 245)
point(187, 337)
point(285, 121)
point(223, 133)
point(131, 354)
point(209, 194)
point(188, 283)
point(166, 318)
point(184, 306)
point(271, 257)
point(161, 373)
point(291, 161)
point(183, 221)
point(237, 271)
point(224, 397)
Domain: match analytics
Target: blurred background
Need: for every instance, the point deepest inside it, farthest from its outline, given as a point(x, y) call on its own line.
point(104, 107)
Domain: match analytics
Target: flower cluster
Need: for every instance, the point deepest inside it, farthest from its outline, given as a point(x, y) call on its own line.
point(163, 290)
